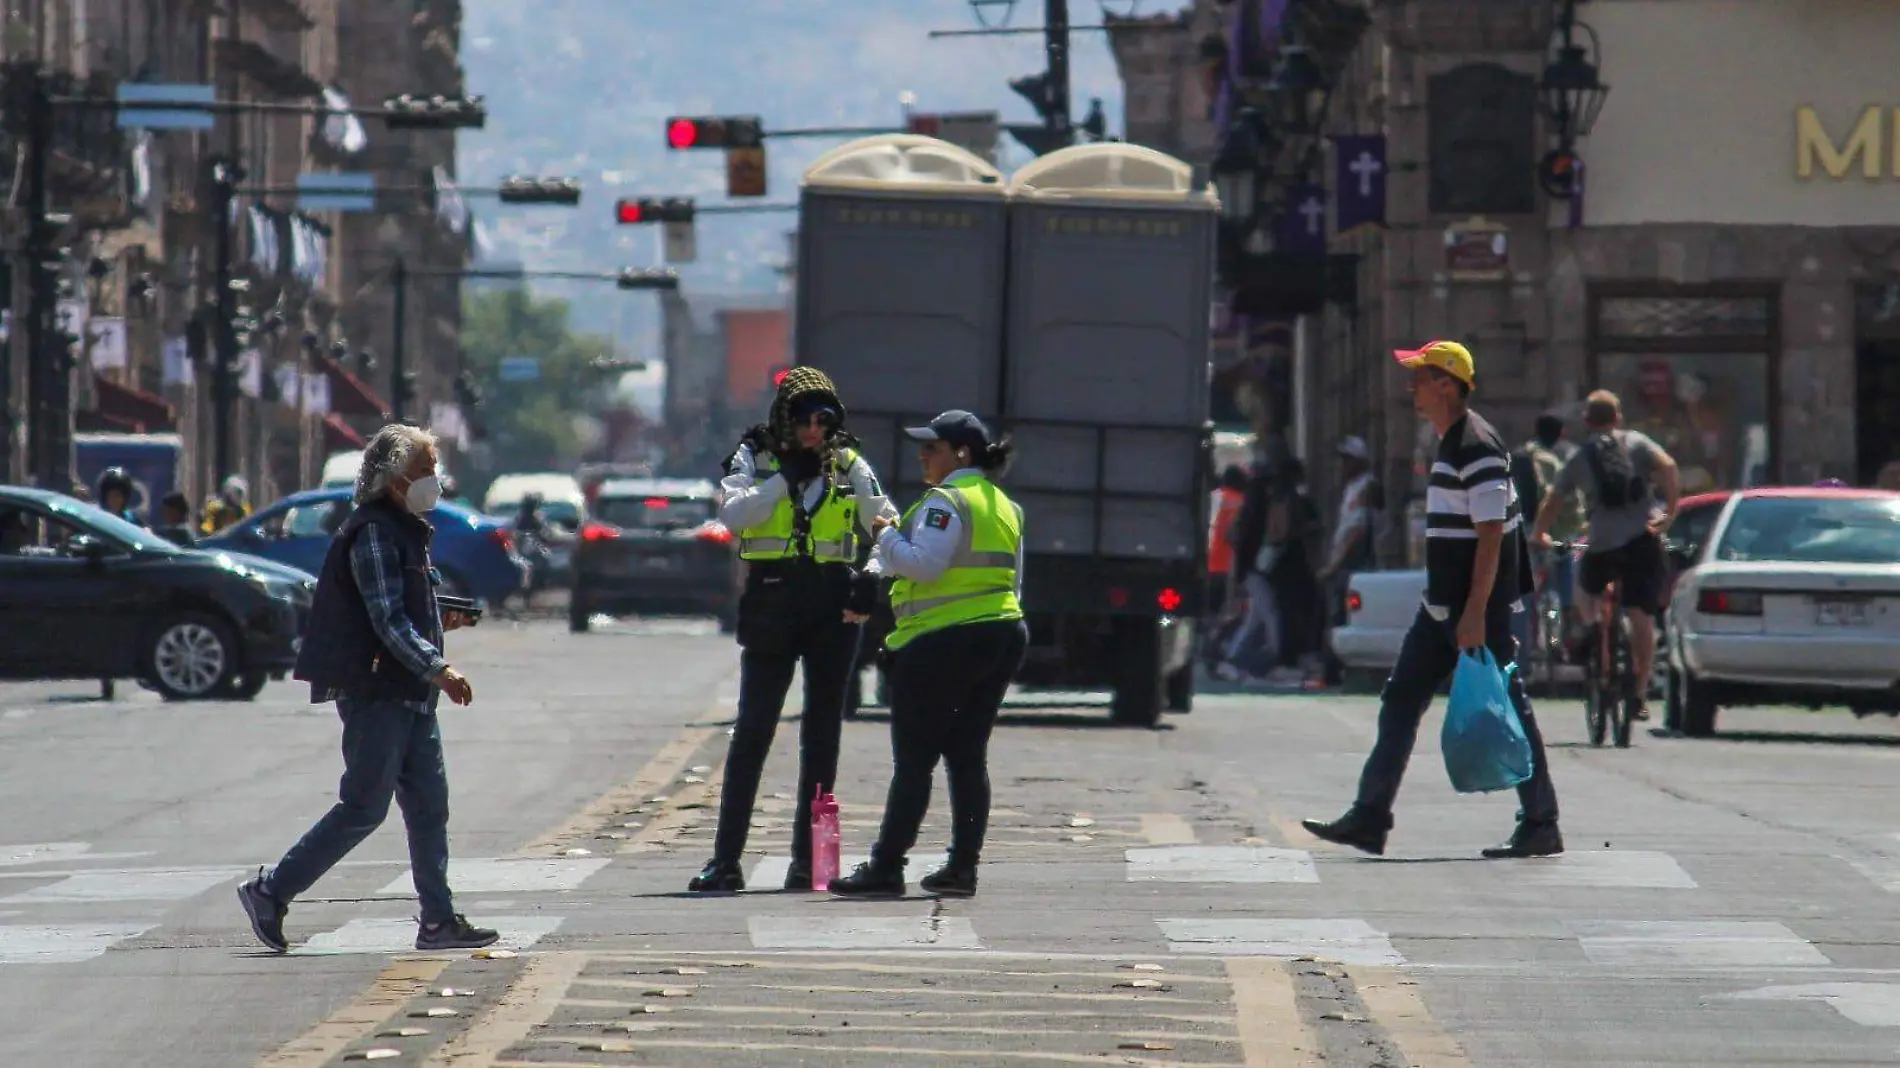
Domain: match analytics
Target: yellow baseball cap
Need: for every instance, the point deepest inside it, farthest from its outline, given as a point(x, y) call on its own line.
point(1448, 356)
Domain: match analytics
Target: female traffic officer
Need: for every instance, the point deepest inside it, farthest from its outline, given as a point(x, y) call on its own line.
point(114, 494)
point(802, 503)
point(957, 558)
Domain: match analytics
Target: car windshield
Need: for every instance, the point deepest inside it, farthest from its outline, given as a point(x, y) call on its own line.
point(112, 526)
point(1813, 530)
point(653, 513)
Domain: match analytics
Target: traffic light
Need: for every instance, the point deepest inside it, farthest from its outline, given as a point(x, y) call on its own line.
point(632, 212)
point(519, 190)
point(726, 131)
point(1051, 102)
point(648, 278)
point(408, 112)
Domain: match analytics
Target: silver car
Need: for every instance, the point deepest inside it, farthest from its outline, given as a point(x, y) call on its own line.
point(1795, 599)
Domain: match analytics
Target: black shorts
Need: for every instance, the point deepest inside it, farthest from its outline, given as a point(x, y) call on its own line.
point(1640, 568)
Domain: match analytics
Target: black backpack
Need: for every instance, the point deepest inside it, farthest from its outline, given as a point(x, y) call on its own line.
point(1618, 485)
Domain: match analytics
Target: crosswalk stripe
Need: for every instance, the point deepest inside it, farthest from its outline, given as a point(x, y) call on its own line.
point(1867, 1004)
point(399, 936)
point(128, 886)
point(510, 875)
point(862, 932)
point(1694, 943)
point(1342, 941)
point(1220, 864)
point(62, 944)
point(769, 872)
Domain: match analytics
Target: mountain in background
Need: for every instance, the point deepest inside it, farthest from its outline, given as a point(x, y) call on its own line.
point(582, 88)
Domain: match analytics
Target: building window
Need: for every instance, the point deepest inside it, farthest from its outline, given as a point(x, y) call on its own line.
point(1696, 372)
point(1483, 131)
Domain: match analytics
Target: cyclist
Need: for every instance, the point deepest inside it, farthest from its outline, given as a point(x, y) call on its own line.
point(1536, 466)
point(1620, 472)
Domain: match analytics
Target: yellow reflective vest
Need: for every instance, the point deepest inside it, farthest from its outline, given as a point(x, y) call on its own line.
point(833, 537)
point(979, 586)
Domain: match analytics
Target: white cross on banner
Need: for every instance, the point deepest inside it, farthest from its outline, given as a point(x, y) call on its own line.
point(1359, 176)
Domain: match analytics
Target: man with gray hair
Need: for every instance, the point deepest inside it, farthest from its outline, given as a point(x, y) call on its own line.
point(374, 646)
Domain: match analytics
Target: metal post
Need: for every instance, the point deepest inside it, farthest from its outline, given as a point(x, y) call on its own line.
point(399, 385)
point(49, 451)
point(224, 336)
point(1056, 41)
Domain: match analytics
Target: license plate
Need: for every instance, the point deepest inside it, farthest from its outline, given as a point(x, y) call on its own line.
point(659, 563)
point(1840, 613)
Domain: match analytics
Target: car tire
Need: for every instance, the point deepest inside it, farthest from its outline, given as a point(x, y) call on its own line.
point(191, 656)
point(1181, 689)
point(1140, 684)
point(577, 615)
point(1688, 706)
point(728, 622)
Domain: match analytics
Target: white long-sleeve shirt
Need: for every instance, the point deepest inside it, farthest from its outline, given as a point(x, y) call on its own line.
point(922, 550)
point(747, 499)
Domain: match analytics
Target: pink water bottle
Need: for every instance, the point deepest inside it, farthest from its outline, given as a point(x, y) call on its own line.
point(825, 840)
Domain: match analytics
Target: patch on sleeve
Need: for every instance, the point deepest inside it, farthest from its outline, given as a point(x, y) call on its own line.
point(872, 487)
point(937, 518)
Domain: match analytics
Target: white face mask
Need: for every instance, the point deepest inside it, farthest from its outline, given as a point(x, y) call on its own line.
point(423, 493)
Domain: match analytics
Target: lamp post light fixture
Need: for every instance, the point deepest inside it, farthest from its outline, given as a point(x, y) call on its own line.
point(1236, 169)
point(1572, 89)
point(1299, 92)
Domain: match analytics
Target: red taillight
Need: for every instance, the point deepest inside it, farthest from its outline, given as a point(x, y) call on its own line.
point(1169, 599)
point(1729, 603)
point(1117, 597)
point(599, 532)
point(1354, 602)
point(715, 533)
point(658, 503)
point(504, 537)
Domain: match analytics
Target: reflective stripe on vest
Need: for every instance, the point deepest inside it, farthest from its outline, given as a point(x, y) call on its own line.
point(980, 583)
point(833, 537)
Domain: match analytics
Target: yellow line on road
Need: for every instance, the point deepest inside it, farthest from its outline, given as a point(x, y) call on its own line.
point(1166, 828)
point(1267, 1011)
point(1393, 1002)
point(657, 773)
point(529, 1000)
point(399, 982)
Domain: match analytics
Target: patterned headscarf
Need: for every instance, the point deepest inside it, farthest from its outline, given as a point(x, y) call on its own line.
point(799, 384)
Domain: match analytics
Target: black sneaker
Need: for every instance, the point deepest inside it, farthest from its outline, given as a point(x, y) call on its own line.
point(266, 913)
point(1529, 840)
point(458, 933)
point(718, 877)
point(871, 879)
point(951, 880)
point(798, 876)
point(1356, 828)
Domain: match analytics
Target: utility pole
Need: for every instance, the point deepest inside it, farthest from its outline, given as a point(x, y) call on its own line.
point(398, 380)
point(49, 361)
point(225, 176)
point(1055, 40)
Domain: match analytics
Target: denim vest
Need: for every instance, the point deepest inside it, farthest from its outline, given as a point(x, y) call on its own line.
point(341, 650)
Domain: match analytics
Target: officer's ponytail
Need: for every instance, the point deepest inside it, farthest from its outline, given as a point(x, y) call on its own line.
point(996, 456)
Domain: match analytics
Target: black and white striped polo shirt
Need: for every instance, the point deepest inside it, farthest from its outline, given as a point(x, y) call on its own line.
point(1470, 484)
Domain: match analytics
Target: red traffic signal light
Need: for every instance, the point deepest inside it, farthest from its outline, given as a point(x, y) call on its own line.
point(634, 211)
point(725, 131)
point(629, 212)
point(683, 133)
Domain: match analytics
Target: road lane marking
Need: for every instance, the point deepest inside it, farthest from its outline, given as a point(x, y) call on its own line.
point(521, 875)
point(1341, 941)
point(861, 932)
point(1267, 1015)
point(399, 936)
point(649, 781)
point(1694, 943)
point(63, 943)
point(1220, 864)
point(899, 1054)
point(901, 1015)
point(96, 886)
point(1167, 829)
point(1393, 1002)
point(1620, 869)
point(769, 872)
point(1867, 1004)
point(398, 983)
point(529, 1000)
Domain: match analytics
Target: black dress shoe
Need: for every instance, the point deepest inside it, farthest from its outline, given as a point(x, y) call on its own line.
point(1357, 829)
point(1529, 840)
point(951, 880)
point(718, 877)
point(871, 879)
point(798, 876)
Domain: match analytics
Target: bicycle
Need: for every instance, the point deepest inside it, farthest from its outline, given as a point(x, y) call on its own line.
point(1546, 652)
point(1612, 694)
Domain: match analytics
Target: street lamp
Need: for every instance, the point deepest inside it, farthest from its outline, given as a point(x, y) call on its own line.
point(1236, 169)
point(1572, 89)
point(1299, 91)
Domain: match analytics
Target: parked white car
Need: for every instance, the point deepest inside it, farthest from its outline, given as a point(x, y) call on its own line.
point(1795, 599)
point(1380, 607)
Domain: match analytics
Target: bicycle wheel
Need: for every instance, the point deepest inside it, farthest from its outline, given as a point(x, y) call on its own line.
point(1597, 698)
point(1628, 692)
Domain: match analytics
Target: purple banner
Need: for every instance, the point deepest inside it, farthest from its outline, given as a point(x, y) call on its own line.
point(1359, 182)
point(1301, 228)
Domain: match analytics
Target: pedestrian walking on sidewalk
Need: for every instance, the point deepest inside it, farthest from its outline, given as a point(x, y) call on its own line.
point(802, 502)
point(1475, 560)
point(957, 556)
point(374, 646)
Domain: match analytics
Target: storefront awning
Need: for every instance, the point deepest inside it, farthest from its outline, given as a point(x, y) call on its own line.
point(95, 423)
point(149, 412)
point(339, 436)
point(350, 395)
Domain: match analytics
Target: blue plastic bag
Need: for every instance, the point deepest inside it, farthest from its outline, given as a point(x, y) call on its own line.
point(1483, 740)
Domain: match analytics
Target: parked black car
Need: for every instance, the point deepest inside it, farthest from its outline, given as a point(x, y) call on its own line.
point(654, 545)
point(86, 595)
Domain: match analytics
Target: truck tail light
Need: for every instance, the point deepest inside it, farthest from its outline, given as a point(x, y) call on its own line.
point(716, 533)
point(1729, 603)
point(1169, 599)
point(599, 532)
point(1354, 602)
point(1117, 596)
point(504, 538)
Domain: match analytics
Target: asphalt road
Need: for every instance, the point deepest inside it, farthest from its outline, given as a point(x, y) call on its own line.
point(1147, 897)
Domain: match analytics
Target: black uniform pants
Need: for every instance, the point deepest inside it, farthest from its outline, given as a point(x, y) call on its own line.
point(946, 689)
point(1426, 660)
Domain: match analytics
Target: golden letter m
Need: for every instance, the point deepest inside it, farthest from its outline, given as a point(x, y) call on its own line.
point(1812, 142)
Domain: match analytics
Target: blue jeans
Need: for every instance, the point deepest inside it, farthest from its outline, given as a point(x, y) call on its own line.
point(388, 751)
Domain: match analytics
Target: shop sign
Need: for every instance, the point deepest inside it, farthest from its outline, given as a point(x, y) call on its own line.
point(1477, 250)
point(1871, 144)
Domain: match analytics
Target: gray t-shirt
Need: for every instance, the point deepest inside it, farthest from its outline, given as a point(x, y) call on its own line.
point(1613, 528)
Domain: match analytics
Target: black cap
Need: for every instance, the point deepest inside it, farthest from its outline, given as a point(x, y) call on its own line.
point(958, 428)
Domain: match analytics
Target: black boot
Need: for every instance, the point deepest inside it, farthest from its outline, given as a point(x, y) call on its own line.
point(1358, 828)
point(954, 879)
point(798, 876)
point(718, 877)
point(1529, 840)
point(872, 879)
